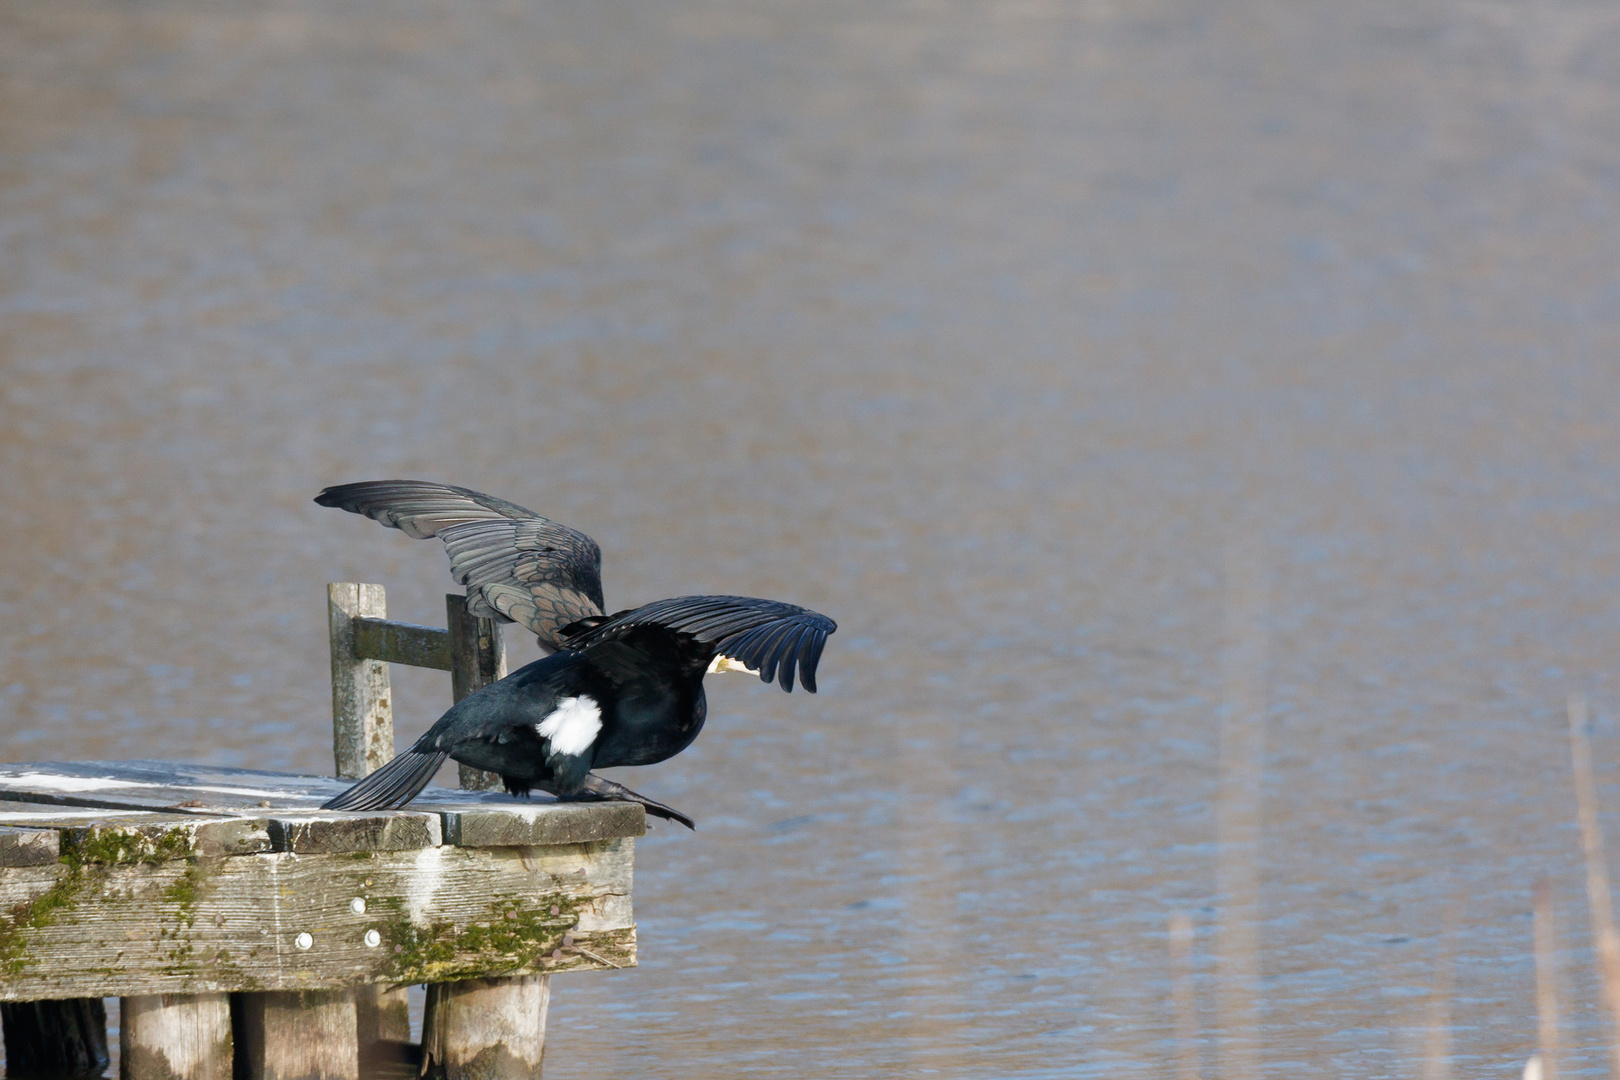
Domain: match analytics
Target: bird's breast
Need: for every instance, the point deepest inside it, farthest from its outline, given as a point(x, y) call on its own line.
point(650, 728)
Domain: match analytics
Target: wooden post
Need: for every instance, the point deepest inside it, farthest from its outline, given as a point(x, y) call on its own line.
point(296, 1035)
point(486, 1029)
point(362, 709)
point(383, 1015)
point(362, 742)
point(482, 1029)
point(175, 1037)
point(477, 658)
point(55, 1038)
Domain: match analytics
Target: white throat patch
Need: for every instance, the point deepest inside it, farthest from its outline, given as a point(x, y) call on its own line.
point(573, 726)
point(726, 663)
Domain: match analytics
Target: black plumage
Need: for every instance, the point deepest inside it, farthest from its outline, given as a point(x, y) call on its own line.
point(621, 689)
point(630, 692)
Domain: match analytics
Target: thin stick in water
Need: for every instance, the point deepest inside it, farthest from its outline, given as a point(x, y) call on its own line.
point(1604, 938)
point(1181, 993)
point(1437, 1044)
point(1546, 982)
point(1238, 809)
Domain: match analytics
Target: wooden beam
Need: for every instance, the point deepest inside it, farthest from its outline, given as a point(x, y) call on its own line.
point(337, 831)
point(279, 921)
point(298, 1035)
point(362, 709)
point(477, 658)
point(402, 643)
point(175, 1037)
point(486, 1029)
point(540, 824)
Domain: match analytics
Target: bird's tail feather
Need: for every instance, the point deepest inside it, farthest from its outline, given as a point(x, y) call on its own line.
point(391, 786)
point(597, 787)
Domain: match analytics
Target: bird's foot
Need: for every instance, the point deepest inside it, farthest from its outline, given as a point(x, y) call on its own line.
point(599, 789)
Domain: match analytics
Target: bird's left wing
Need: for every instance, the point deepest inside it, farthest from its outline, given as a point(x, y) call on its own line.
point(515, 563)
point(766, 636)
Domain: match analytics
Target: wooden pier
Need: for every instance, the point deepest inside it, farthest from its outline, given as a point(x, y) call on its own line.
point(252, 935)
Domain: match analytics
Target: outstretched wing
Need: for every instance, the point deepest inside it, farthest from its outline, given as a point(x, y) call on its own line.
point(766, 636)
point(516, 565)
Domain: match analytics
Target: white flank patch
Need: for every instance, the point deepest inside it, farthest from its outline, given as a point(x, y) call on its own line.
point(573, 726)
point(726, 663)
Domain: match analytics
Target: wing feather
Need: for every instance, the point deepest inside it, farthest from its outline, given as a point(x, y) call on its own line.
point(775, 639)
point(809, 652)
point(516, 565)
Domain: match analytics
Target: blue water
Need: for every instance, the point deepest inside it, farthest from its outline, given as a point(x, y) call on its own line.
point(992, 330)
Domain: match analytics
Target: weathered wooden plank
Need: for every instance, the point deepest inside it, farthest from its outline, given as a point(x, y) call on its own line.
point(402, 643)
point(281, 921)
point(55, 1038)
point(165, 837)
point(299, 1035)
point(477, 658)
point(362, 705)
point(34, 815)
point(476, 818)
point(27, 847)
point(103, 835)
point(175, 1037)
point(334, 831)
point(35, 834)
point(162, 786)
point(486, 1029)
point(544, 823)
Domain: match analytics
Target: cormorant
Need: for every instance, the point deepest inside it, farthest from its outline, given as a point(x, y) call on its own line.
point(622, 689)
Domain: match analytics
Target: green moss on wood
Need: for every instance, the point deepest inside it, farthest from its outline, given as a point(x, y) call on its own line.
point(509, 935)
point(184, 891)
point(43, 910)
point(112, 845)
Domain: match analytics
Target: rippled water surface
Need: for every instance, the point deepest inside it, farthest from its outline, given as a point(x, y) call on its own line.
point(1011, 335)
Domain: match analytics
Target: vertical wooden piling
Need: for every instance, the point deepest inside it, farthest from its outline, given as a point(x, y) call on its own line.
point(477, 658)
point(297, 1035)
point(175, 1037)
point(362, 709)
point(486, 1029)
point(362, 742)
point(55, 1038)
point(482, 1029)
point(382, 1015)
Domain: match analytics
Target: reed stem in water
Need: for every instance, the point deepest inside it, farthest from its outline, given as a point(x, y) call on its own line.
point(1604, 939)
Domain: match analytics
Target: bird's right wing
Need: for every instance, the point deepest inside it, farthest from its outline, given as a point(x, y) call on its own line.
point(516, 565)
point(765, 636)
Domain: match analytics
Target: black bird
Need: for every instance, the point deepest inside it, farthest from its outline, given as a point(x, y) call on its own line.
point(625, 689)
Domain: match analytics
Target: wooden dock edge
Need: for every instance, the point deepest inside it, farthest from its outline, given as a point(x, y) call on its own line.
point(278, 947)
